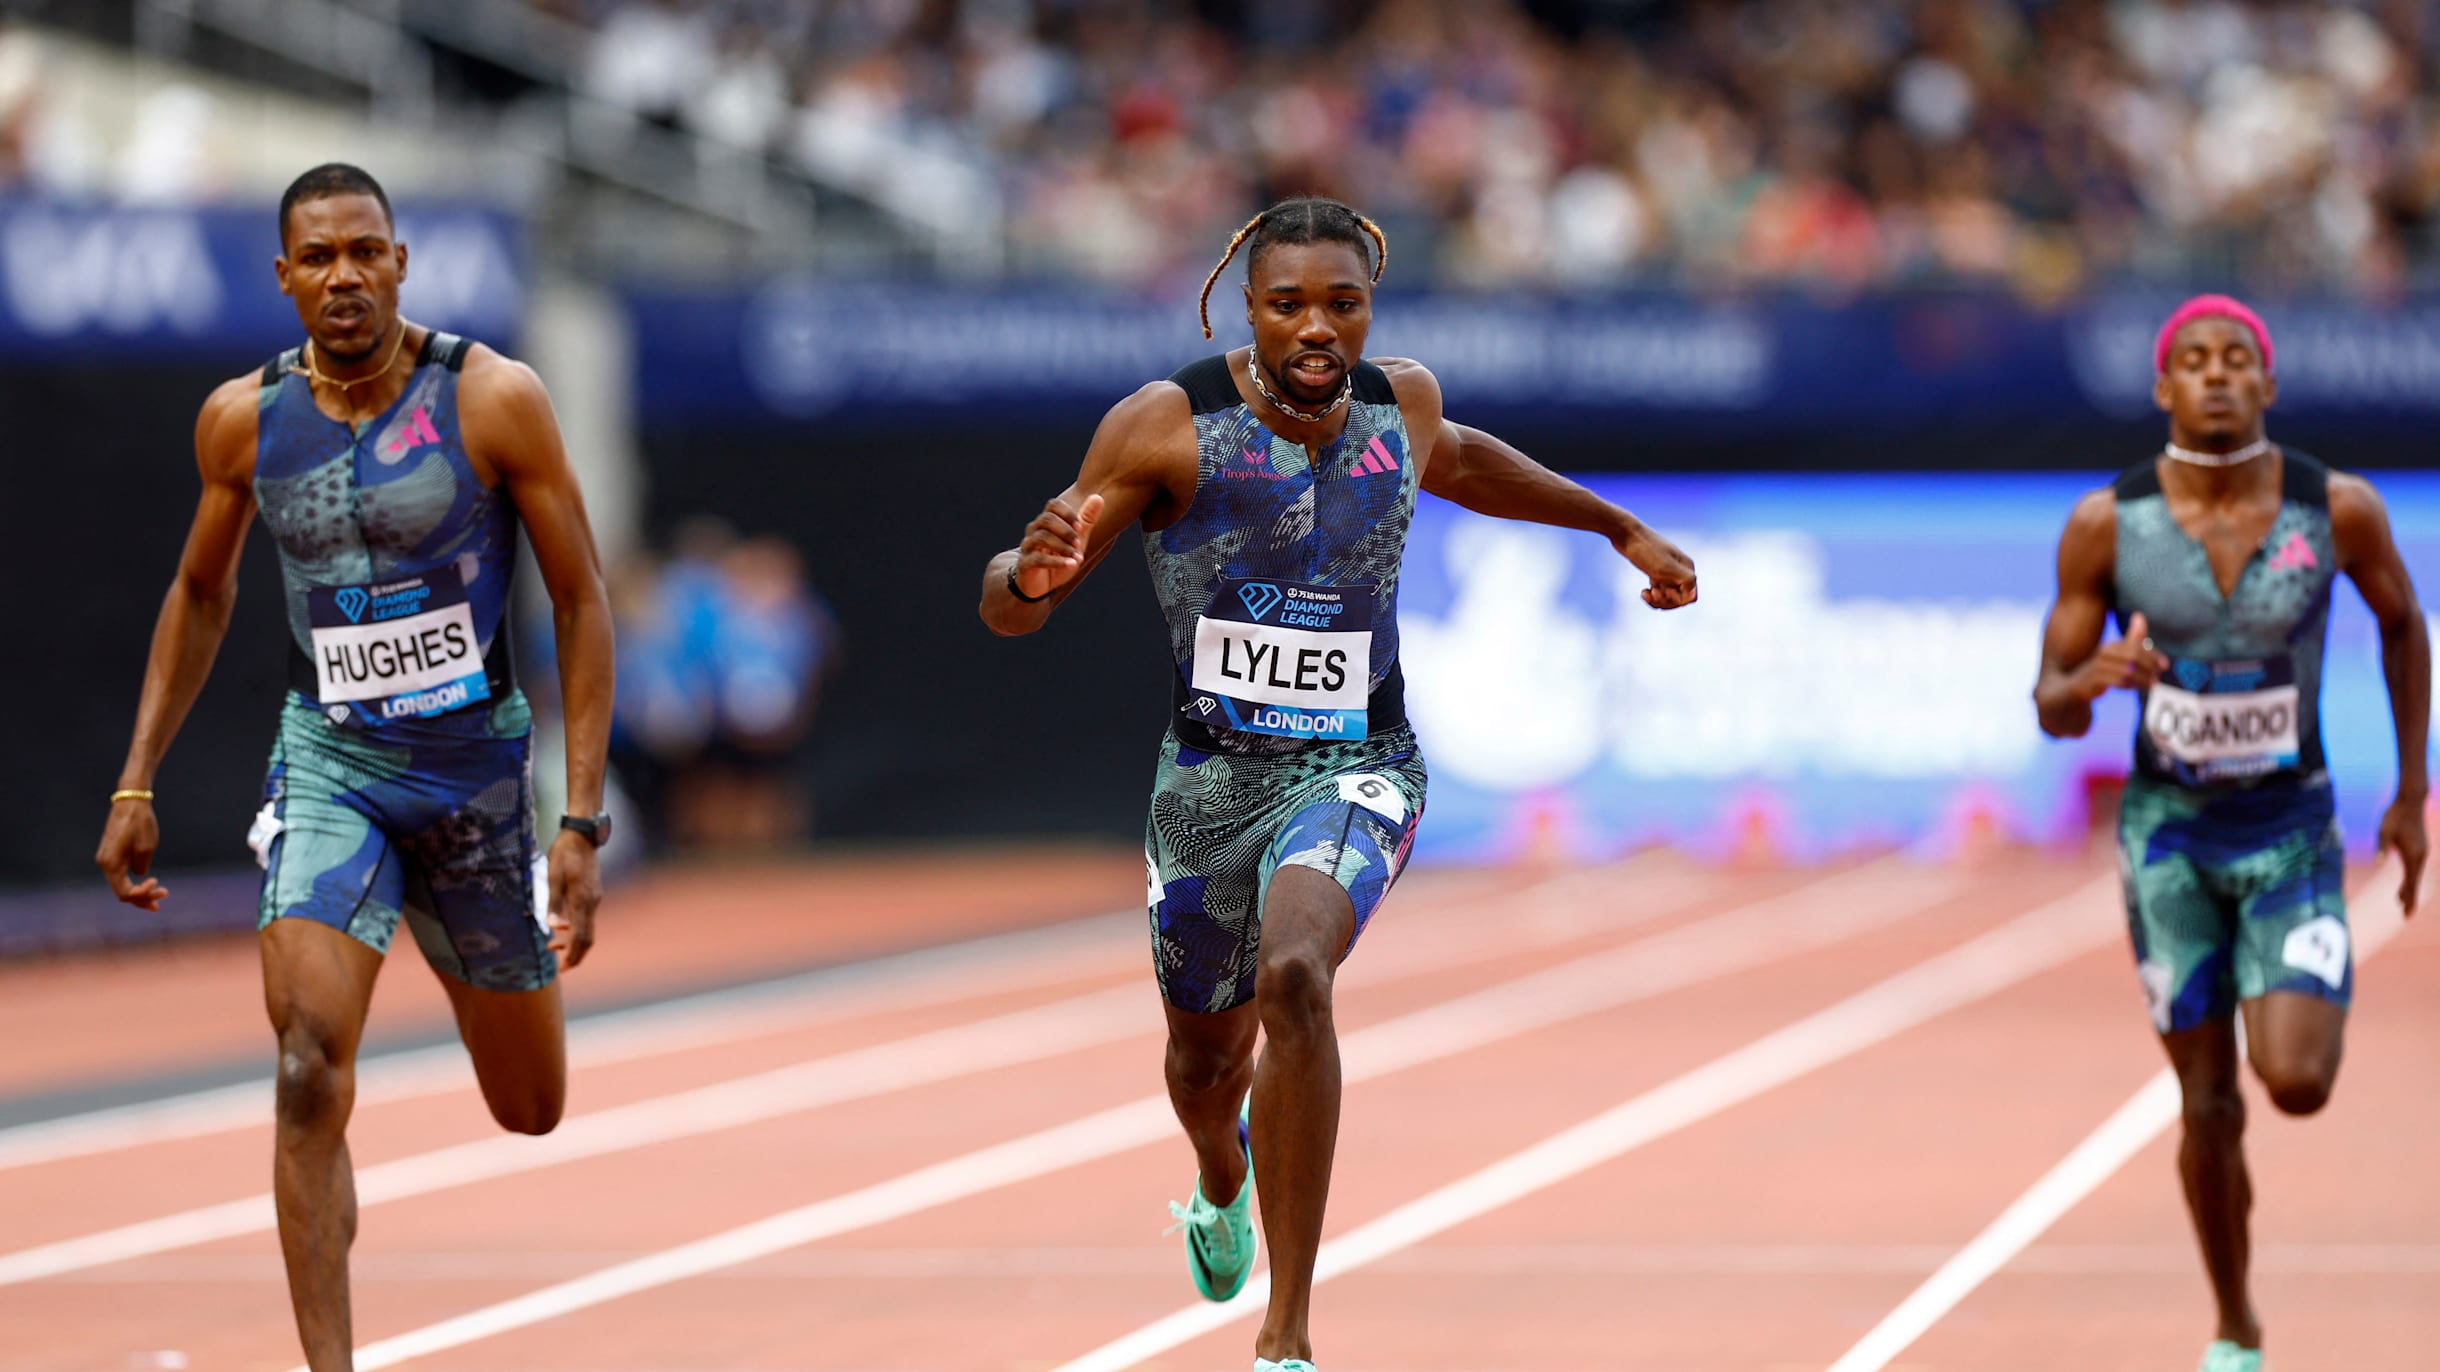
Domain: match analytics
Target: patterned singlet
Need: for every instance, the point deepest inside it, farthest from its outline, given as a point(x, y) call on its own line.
point(395, 557)
point(2241, 701)
point(1280, 582)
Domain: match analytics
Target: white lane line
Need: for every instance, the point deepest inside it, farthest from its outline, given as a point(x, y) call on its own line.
point(1025, 959)
point(2128, 1131)
point(1018, 961)
point(2031, 943)
point(1007, 1040)
point(1022, 960)
point(1747, 936)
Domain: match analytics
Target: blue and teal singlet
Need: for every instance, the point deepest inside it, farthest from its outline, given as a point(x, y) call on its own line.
point(2230, 850)
point(1280, 582)
point(395, 556)
point(400, 784)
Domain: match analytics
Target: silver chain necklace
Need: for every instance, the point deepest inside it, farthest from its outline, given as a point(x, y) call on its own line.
point(1347, 388)
point(2230, 459)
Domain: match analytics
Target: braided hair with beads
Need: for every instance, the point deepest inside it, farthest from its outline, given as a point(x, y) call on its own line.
point(1305, 219)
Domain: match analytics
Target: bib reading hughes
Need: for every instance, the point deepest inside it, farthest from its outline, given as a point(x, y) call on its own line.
point(1280, 582)
point(395, 556)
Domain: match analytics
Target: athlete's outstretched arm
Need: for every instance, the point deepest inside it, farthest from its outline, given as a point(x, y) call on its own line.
point(2077, 668)
point(187, 636)
point(509, 427)
point(1472, 468)
point(2369, 556)
point(1143, 455)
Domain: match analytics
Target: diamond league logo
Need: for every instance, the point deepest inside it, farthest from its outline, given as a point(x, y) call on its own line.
point(351, 601)
point(1261, 597)
point(2192, 675)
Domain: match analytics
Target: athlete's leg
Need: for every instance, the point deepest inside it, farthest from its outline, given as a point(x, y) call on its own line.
point(317, 983)
point(1308, 922)
point(2295, 1040)
point(1208, 1065)
point(475, 898)
point(519, 1043)
point(2211, 1162)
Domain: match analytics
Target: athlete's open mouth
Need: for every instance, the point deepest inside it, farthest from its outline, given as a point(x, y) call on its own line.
point(1315, 369)
point(347, 312)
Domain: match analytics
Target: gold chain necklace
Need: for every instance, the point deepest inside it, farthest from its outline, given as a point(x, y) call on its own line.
point(312, 372)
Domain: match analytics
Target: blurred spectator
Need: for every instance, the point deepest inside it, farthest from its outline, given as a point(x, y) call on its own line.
point(1835, 144)
point(722, 649)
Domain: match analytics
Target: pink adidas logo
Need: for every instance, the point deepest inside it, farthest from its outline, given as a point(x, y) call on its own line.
point(417, 429)
point(2295, 555)
point(1375, 460)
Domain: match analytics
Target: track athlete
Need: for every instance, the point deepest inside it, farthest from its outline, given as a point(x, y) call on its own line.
point(394, 466)
point(2217, 558)
point(1275, 484)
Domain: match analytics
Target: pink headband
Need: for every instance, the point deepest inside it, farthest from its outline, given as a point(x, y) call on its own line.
point(2211, 307)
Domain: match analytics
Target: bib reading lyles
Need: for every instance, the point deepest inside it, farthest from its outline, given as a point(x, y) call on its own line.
point(1284, 658)
point(406, 647)
point(2224, 721)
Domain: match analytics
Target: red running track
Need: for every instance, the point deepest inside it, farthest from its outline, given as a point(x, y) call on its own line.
point(962, 1163)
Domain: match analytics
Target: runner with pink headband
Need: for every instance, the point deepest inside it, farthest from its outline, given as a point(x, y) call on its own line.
point(2212, 307)
point(2218, 555)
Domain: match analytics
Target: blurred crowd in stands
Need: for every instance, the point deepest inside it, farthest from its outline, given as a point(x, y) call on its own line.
point(722, 652)
point(2045, 144)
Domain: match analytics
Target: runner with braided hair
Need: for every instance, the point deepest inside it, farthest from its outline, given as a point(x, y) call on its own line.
point(1274, 483)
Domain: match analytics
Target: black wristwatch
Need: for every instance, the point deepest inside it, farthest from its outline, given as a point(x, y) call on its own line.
point(595, 828)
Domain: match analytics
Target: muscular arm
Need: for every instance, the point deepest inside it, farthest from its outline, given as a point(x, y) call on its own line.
point(510, 430)
point(194, 619)
point(1469, 467)
point(2369, 556)
point(2077, 667)
point(1141, 461)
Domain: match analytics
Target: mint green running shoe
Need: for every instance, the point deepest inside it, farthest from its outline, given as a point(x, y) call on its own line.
point(2224, 1356)
point(1220, 1238)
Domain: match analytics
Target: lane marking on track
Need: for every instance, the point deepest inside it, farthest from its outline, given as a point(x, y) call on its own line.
point(2127, 1131)
point(1520, 1262)
point(1022, 960)
point(2047, 937)
point(945, 1054)
point(1026, 959)
point(1802, 920)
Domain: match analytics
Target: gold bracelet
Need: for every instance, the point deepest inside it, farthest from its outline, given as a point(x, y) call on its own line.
point(117, 796)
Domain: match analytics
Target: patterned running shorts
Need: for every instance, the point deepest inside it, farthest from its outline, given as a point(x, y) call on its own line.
point(431, 820)
point(2232, 895)
point(1222, 824)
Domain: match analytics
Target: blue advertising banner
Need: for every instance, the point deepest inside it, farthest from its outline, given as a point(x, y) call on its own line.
point(801, 349)
point(93, 278)
point(1858, 671)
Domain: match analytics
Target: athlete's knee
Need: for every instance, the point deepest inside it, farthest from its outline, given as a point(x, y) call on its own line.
point(1198, 1066)
point(535, 1112)
point(312, 1091)
point(1293, 988)
point(2214, 1110)
point(2297, 1087)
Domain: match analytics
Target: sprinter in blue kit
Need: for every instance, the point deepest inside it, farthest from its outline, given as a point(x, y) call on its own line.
point(1275, 484)
point(2217, 556)
point(395, 467)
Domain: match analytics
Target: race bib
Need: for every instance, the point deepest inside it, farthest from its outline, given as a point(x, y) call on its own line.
point(1284, 658)
point(405, 649)
point(2219, 721)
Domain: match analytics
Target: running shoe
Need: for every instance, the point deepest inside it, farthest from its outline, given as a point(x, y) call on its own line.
point(1291, 1365)
point(2224, 1356)
point(1220, 1238)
